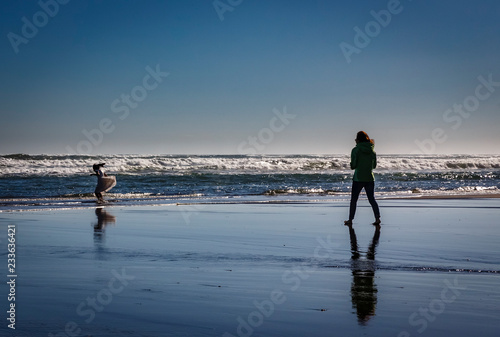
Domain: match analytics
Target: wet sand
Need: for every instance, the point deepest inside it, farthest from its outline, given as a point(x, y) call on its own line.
point(452, 196)
point(433, 269)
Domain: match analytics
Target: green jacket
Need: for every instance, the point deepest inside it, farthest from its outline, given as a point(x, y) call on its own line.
point(363, 161)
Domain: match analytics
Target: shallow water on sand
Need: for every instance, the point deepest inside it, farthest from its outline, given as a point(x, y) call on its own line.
point(260, 270)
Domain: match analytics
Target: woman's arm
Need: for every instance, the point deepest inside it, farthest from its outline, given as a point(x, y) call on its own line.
point(354, 159)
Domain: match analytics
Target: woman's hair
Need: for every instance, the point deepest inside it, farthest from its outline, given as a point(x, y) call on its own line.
point(362, 137)
point(96, 167)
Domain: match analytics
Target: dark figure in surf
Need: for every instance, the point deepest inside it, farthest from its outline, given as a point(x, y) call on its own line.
point(363, 288)
point(104, 182)
point(363, 161)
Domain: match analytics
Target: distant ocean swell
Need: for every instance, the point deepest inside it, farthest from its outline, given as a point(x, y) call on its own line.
point(189, 176)
point(22, 164)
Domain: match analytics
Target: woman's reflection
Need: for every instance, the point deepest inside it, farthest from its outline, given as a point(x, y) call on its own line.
point(103, 219)
point(363, 288)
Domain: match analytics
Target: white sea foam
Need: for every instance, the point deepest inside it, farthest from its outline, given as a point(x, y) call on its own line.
point(171, 164)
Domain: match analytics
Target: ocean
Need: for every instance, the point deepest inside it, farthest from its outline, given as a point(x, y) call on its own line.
point(30, 182)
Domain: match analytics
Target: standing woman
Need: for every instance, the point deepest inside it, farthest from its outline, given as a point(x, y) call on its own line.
point(104, 182)
point(363, 161)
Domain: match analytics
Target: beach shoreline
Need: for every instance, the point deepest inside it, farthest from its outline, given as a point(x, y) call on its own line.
point(451, 196)
point(112, 200)
point(257, 269)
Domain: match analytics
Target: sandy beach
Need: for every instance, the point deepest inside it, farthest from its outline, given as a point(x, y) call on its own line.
point(256, 270)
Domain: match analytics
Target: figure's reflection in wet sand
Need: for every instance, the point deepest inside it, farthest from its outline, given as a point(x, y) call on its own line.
point(363, 287)
point(103, 219)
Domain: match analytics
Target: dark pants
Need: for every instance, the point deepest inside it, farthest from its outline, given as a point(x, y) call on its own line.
point(369, 187)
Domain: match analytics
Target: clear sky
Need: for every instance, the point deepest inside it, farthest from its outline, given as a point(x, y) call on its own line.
point(249, 76)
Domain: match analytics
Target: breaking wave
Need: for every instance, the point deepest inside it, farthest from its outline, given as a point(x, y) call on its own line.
point(24, 164)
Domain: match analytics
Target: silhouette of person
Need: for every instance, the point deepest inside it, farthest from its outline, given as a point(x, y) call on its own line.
point(363, 161)
point(363, 288)
point(104, 182)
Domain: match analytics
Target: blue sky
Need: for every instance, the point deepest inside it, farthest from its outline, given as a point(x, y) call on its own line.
point(243, 76)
